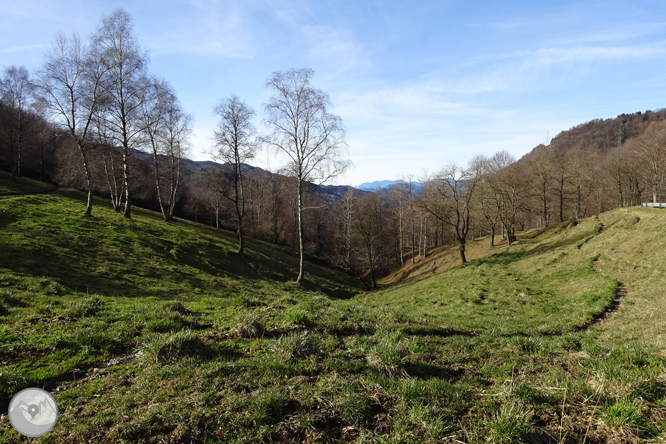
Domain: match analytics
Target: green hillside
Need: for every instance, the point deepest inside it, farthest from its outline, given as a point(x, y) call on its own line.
point(154, 332)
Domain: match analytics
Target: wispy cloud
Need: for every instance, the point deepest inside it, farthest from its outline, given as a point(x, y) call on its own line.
point(545, 67)
point(337, 46)
point(205, 27)
point(546, 57)
point(20, 49)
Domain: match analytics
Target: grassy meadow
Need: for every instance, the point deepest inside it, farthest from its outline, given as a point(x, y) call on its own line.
point(159, 333)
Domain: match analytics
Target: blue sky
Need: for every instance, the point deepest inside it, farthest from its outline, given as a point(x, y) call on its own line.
point(417, 83)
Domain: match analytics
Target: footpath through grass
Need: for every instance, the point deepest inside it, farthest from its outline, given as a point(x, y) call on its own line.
point(154, 332)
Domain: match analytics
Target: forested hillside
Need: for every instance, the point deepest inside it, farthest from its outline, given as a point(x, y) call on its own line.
point(70, 130)
point(602, 135)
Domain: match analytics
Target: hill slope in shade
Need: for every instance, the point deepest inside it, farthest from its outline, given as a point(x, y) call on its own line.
point(154, 332)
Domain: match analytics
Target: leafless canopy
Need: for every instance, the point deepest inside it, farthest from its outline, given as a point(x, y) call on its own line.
point(302, 128)
point(235, 139)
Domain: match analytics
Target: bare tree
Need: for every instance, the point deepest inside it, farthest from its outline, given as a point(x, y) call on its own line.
point(235, 139)
point(562, 178)
point(123, 87)
point(397, 200)
point(615, 169)
point(175, 145)
point(542, 181)
point(369, 223)
point(649, 149)
point(486, 206)
point(302, 128)
point(16, 91)
point(166, 129)
point(582, 180)
point(347, 212)
point(409, 195)
point(449, 199)
point(70, 84)
point(506, 180)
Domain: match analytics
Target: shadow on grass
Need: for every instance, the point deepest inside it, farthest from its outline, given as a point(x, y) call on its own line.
point(109, 255)
point(424, 370)
point(434, 331)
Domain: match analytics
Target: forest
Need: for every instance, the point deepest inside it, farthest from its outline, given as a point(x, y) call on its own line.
point(94, 118)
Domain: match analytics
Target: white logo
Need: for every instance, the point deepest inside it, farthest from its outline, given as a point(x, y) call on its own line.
point(33, 412)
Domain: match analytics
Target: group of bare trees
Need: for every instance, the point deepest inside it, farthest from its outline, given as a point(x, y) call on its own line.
point(118, 131)
point(495, 196)
point(101, 94)
point(300, 128)
point(16, 93)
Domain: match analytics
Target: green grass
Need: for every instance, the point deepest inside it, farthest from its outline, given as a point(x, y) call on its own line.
point(14, 186)
point(155, 332)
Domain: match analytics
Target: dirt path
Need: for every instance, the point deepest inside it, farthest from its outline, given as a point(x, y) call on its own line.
point(620, 293)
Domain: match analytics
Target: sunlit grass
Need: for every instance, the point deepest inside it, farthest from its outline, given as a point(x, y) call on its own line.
point(154, 331)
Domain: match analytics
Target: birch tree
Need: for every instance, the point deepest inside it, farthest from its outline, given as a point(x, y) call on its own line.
point(70, 84)
point(302, 128)
point(16, 91)
point(235, 141)
point(165, 129)
point(123, 87)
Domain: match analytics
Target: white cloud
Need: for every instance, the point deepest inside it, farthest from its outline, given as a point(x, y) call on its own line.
point(203, 27)
point(392, 132)
point(546, 57)
point(544, 68)
point(335, 46)
point(20, 48)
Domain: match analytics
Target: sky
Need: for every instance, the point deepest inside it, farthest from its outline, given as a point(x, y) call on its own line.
point(418, 84)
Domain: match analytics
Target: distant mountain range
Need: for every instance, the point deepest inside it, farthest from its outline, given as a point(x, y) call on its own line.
point(197, 166)
point(383, 184)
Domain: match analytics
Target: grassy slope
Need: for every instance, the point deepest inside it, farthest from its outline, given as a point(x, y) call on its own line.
point(11, 187)
point(148, 332)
